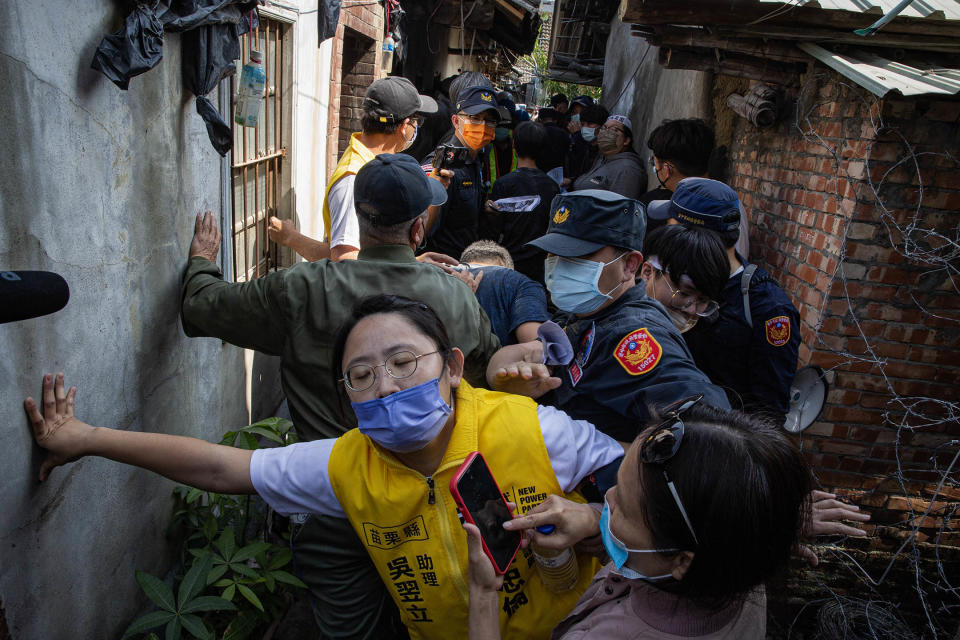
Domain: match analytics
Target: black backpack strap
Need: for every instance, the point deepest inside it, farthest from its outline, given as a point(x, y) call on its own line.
point(745, 276)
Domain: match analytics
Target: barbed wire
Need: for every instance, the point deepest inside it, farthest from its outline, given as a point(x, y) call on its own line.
point(930, 253)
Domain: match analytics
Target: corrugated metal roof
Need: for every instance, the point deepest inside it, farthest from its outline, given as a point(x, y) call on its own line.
point(943, 9)
point(881, 76)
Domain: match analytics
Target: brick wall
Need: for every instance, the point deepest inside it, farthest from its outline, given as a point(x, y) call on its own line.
point(355, 65)
point(869, 268)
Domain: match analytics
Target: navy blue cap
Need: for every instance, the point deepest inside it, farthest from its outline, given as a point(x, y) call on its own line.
point(584, 100)
point(701, 203)
point(474, 100)
point(392, 188)
point(586, 221)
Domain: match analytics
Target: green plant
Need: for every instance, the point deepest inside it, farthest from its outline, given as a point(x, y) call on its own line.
point(237, 586)
point(537, 60)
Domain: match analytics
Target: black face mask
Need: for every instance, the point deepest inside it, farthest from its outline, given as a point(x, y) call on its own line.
point(656, 172)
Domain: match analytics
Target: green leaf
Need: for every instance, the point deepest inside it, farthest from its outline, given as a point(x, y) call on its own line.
point(210, 528)
point(227, 543)
point(207, 603)
point(157, 591)
point(242, 626)
point(172, 631)
point(250, 551)
point(150, 621)
point(193, 495)
point(270, 582)
point(195, 580)
point(288, 578)
point(280, 558)
point(229, 438)
point(153, 636)
point(216, 573)
point(223, 583)
point(266, 433)
point(195, 626)
point(249, 441)
point(229, 592)
point(248, 593)
point(243, 570)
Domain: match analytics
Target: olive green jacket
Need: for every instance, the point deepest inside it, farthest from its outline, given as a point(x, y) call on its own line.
point(296, 313)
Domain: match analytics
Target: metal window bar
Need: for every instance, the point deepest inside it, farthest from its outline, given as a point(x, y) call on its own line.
point(257, 160)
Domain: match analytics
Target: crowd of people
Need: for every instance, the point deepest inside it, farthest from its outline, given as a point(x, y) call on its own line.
point(493, 283)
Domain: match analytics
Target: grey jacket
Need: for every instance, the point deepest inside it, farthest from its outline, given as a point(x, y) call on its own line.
point(623, 173)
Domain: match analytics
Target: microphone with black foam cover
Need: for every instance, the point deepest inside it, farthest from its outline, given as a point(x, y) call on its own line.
point(29, 294)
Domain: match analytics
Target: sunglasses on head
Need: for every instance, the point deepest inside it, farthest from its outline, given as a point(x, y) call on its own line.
point(662, 444)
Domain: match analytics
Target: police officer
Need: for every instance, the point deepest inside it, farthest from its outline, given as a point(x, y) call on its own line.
point(752, 348)
point(628, 354)
point(474, 127)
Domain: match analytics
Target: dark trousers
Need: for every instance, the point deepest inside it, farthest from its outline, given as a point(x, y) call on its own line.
point(349, 599)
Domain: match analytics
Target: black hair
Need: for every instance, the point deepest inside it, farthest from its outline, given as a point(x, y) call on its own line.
point(467, 79)
point(558, 98)
point(529, 139)
point(548, 113)
point(417, 313)
point(697, 253)
point(729, 238)
point(370, 123)
point(744, 486)
point(595, 113)
point(686, 144)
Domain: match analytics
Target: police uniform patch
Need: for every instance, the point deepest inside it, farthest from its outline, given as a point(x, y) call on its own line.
point(778, 330)
point(575, 370)
point(638, 352)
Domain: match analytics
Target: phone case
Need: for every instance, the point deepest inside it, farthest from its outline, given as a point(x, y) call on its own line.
point(477, 458)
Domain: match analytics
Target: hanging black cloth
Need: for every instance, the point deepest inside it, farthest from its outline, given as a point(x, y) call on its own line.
point(211, 42)
point(328, 14)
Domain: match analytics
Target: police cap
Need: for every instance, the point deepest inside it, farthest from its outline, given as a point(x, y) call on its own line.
point(583, 222)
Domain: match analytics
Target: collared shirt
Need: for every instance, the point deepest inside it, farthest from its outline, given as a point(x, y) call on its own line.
point(614, 608)
point(296, 314)
point(628, 357)
point(756, 363)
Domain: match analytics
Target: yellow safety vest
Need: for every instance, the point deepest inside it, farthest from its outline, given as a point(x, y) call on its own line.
point(492, 162)
point(356, 155)
point(409, 523)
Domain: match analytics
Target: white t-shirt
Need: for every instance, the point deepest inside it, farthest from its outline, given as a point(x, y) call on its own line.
point(296, 478)
point(343, 217)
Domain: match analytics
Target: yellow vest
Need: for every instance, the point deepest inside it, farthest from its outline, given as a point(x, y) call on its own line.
point(409, 523)
point(492, 162)
point(356, 155)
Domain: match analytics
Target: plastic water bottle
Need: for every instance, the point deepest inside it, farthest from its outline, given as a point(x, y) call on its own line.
point(557, 568)
point(388, 47)
point(250, 94)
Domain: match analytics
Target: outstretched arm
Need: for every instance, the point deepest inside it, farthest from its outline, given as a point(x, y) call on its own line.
point(190, 461)
point(285, 233)
point(824, 517)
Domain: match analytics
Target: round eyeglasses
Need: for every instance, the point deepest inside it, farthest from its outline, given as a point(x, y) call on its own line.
point(702, 305)
point(402, 364)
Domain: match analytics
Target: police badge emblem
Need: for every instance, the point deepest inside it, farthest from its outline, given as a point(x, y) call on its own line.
point(778, 330)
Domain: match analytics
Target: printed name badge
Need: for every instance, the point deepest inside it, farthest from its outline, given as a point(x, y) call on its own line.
point(778, 330)
point(638, 352)
point(575, 370)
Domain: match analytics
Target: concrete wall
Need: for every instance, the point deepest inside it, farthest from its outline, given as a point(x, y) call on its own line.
point(635, 85)
point(100, 185)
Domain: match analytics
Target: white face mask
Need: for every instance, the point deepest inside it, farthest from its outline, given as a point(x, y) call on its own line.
point(681, 321)
point(407, 143)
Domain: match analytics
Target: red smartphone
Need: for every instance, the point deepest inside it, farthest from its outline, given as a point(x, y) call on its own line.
point(481, 503)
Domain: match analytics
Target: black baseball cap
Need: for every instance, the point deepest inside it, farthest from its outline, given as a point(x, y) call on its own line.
point(474, 100)
point(395, 98)
point(584, 100)
point(699, 202)
point(586, 221)
point(392, 188)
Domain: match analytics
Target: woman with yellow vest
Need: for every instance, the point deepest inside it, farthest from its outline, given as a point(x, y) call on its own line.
point(418, 420)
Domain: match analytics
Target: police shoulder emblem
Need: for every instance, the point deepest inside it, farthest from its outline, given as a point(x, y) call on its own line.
point(778, 330)
point(638, 352)
point(561, 215)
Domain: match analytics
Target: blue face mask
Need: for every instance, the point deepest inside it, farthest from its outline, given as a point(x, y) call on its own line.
point(404, 421)
point(619, 552)
point(572, 283)
point(589, 134)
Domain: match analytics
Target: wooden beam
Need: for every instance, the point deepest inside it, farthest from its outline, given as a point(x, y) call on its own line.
point(881, 39)
point(741, 12)
point(741, 67)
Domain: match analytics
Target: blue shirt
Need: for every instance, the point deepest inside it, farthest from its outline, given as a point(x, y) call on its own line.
point(510, 299)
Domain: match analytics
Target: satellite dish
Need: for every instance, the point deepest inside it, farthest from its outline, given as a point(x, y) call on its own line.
point(808, 395)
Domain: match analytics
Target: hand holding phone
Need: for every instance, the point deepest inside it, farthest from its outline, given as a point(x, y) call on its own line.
point(481, 503)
